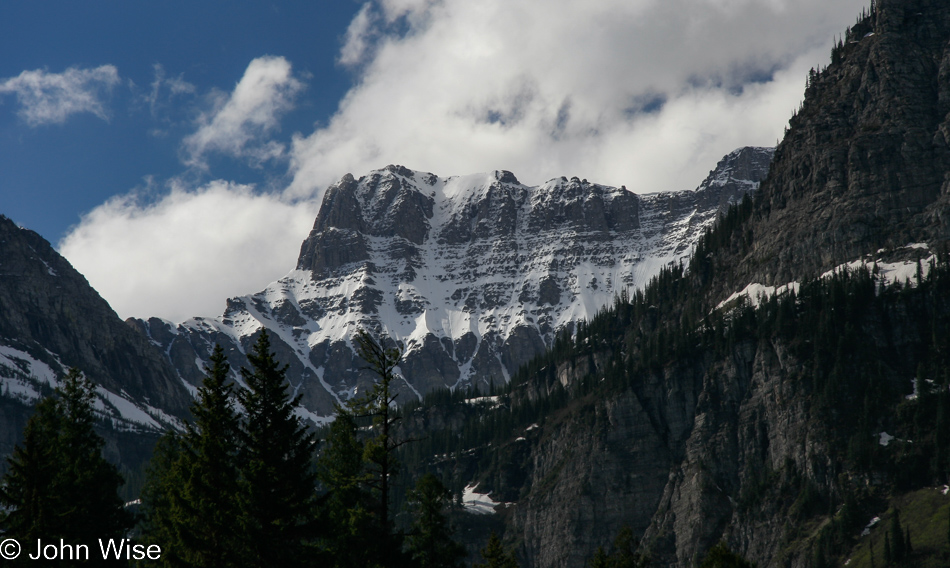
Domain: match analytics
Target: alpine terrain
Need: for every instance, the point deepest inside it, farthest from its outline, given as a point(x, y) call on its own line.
point(759, 368)
point(474, 274)
point(786, 395)
point(51, 320)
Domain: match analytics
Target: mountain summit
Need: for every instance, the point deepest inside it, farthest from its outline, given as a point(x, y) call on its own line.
point(474, 274)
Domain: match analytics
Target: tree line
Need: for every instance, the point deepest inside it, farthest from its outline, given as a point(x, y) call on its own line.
point(245, 484)
point(874, 359)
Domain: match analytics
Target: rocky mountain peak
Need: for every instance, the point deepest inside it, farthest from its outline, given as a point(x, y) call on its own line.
point(474, 274)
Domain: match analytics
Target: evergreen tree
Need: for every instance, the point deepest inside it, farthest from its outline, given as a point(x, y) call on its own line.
point(25, 492)
point(819, 559)
point(209, 464)
point(161, 499)
point(897, 538)
point(277, 487)
point(495, 555)
point(349, 538)
point(190, 495)
point(600, 559)
point(624, 554)
point(58, 485)
point(379, 451)
point(88, 484)
point(430, 541)
point(941, 436)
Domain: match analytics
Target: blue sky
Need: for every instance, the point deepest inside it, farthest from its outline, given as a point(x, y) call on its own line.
point(53, 172)
point(176, 152)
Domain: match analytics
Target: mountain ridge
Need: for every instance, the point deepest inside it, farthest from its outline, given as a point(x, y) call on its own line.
point(51, 319)
point(696, 420)
point(862, 165)
point(475, 274)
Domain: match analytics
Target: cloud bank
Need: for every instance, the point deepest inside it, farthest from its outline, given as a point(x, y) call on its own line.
point(185, 254)
point(182, 249)
point(51, 98)
point(644, 93)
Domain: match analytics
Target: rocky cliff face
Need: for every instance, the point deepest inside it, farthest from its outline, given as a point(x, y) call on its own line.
point(861, 174)
point(473, 274)
point(677, 455)
point(50, 320)
point(863, 165)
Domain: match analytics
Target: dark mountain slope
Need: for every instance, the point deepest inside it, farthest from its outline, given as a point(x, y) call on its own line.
point(50, 320)
point(864, 164)
point(784, 429)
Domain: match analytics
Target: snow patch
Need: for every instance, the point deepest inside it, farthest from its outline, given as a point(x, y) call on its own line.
point(867, 529)
point(489, 400)
point(757, 293)
point(478, 503)
point(888, 272)
point(49, 269)
point(127, 409)
point(22, 376)
point(162, 417)
point(305, 414)
point(26, 364)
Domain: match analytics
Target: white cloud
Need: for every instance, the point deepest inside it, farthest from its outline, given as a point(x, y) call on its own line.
point(180, 251)
point(51, 98)
point(358, 37)
point(645, 93)
point(185, 254)
point(164, 89)
point(240, 122)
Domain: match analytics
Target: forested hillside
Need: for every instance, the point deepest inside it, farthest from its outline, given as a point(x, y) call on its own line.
point(786, 387)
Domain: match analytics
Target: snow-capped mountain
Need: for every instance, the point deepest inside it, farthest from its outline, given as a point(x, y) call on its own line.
point(473, 274)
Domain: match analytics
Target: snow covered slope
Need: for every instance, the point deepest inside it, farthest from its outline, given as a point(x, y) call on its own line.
point(474, 274)
point(51, 320)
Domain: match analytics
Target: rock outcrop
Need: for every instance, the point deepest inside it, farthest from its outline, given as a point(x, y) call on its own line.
point(474, 274)
point(864, 163)
point(51, 320)
point(701, 448)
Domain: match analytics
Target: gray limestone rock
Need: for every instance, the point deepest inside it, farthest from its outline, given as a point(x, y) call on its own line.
point(475, 274)
point(51, 320)
point(863, 164)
